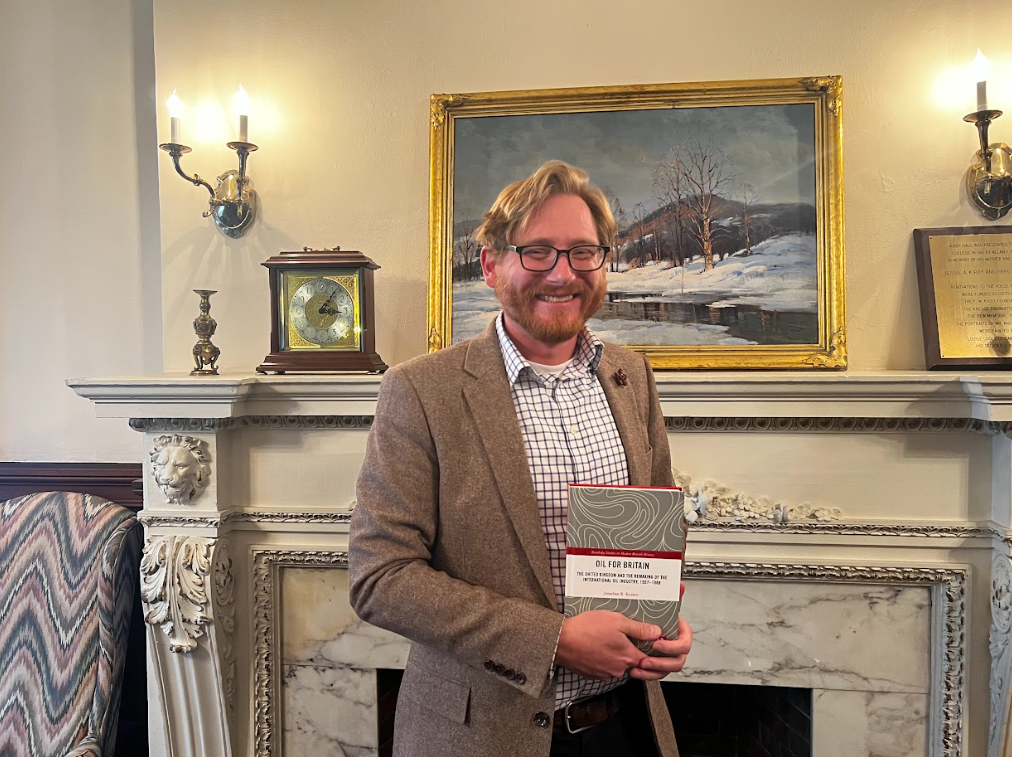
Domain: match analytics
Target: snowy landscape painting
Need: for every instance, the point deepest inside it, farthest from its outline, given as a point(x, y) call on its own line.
point(718, 211)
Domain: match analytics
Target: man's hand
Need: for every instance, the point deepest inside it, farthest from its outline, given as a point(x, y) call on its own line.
point(673, 652)
point(596, 644)
point(673, 660)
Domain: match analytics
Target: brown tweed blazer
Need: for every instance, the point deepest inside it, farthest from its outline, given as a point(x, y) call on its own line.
point(447, 548)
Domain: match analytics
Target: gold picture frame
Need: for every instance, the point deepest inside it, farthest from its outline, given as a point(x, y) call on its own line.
point(498, 137)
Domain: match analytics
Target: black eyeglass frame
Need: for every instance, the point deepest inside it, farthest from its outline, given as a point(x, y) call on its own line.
point(605, 249)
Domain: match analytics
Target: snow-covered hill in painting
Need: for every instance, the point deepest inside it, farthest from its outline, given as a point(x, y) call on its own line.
point(779, 276)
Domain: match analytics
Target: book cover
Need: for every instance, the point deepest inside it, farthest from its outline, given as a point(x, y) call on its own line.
point(624, 553)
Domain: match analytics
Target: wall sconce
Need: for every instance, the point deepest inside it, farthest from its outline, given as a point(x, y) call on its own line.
point(233, 202)
point(989, 177)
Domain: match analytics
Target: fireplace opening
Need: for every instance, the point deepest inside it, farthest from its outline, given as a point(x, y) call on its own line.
point(729, 720)
point(388, 683)
point(710, 719)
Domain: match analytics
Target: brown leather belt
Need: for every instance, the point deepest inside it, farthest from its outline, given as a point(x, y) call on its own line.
point(586, 713)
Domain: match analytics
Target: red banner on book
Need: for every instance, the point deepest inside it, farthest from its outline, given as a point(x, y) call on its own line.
point(640, 553)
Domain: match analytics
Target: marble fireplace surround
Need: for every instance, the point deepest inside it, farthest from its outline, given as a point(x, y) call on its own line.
point(860, 638)
point(853, 539)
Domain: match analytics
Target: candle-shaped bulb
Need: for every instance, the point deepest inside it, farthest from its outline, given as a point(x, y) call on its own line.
point(241, 104)
point(980, 69)
point(175, 106)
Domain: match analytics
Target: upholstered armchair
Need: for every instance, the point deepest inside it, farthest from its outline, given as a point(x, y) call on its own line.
point(68, 570)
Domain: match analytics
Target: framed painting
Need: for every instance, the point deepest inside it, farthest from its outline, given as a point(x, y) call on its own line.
point(728, 198)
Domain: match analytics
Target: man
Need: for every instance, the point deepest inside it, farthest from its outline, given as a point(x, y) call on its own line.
point(458, 538)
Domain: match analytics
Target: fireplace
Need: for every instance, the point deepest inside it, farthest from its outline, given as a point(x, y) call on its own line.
point(825, 659)
point(854, 544)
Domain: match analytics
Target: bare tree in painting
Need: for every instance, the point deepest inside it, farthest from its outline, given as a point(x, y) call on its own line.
point(618, 212)
point(748, 200)
point(639, 215)
point(707, 171)
point(467, 247)
point(669, 189)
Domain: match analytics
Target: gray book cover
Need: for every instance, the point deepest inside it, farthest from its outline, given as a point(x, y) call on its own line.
point(624, 553)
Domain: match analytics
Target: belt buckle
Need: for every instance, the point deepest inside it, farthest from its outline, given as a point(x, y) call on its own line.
point(569, 724)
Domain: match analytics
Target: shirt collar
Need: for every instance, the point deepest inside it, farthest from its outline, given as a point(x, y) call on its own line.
point(585, 360)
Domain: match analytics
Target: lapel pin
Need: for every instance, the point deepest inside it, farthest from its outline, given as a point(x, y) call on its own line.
point(620, 378)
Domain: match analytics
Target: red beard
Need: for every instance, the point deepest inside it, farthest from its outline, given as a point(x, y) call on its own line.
point(519, 306)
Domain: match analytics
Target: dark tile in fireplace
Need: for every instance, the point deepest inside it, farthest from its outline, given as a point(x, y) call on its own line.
point(725, 720)
point(710, 719)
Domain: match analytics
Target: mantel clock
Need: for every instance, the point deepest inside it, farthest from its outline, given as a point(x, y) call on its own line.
point(322, 312)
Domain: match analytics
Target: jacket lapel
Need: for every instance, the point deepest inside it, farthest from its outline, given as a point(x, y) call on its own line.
point(488, 396)
point(628, 419)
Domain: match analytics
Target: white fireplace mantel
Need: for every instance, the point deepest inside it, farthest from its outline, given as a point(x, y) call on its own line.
point(898, 485)
point(885, 394)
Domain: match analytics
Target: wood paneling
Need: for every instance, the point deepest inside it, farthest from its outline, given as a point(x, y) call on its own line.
point(120, 483)
point(117, 482)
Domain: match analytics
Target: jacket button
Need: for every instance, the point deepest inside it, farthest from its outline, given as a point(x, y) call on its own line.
point(500, 669)
point(489, 665)
point(521, 679)
point(541, 720)
point(510, 673)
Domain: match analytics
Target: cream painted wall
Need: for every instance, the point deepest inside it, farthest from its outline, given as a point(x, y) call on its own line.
point(79, 256)
point(344, 147)
point(341, 114)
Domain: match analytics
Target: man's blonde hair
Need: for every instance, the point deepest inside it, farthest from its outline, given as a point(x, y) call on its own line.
point(517, 203)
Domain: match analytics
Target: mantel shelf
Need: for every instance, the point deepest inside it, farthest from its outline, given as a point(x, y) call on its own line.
point(852, 394)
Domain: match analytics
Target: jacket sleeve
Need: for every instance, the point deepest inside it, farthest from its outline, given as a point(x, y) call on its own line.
point(661, 474)
point(394, 530)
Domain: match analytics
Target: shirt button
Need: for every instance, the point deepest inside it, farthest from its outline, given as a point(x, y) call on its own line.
point(574, 430)
point(541, 720)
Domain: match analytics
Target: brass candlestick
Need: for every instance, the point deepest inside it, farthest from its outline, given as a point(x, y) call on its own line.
point(205, 354)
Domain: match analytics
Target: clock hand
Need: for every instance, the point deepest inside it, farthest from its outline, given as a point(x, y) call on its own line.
point(325, 308)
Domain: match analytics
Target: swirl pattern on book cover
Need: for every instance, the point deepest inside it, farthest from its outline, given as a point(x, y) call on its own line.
point(624, 553)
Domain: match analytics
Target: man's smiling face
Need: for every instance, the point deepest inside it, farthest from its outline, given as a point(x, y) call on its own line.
point(549, 307)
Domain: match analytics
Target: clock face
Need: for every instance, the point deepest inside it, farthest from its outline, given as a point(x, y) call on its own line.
point(322, 313)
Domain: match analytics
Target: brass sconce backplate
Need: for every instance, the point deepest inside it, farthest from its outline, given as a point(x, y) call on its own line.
point(234, 205)
point(989, 177)
point(989, 181)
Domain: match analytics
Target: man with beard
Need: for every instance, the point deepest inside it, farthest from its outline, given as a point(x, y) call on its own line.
point(458, 539)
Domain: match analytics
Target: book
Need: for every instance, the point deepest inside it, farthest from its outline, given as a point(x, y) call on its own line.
point(625, 548)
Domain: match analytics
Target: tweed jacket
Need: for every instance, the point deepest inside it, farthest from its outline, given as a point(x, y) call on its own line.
point(447, 549)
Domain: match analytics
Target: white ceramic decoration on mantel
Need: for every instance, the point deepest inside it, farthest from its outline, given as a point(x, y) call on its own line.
point(713, 502)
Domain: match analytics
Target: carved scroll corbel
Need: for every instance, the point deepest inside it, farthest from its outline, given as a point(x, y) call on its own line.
point(174, 575)
point(1001, 655)
point(224, 618)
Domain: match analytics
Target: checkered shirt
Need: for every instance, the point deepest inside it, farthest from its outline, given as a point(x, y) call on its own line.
point(570, 437)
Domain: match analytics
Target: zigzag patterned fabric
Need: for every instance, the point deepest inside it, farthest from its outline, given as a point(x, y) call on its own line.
point(69, 569)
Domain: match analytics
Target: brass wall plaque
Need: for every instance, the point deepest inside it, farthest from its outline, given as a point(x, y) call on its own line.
point(965, 281)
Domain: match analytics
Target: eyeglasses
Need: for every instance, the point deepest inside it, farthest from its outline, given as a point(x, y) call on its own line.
point(543, 257)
